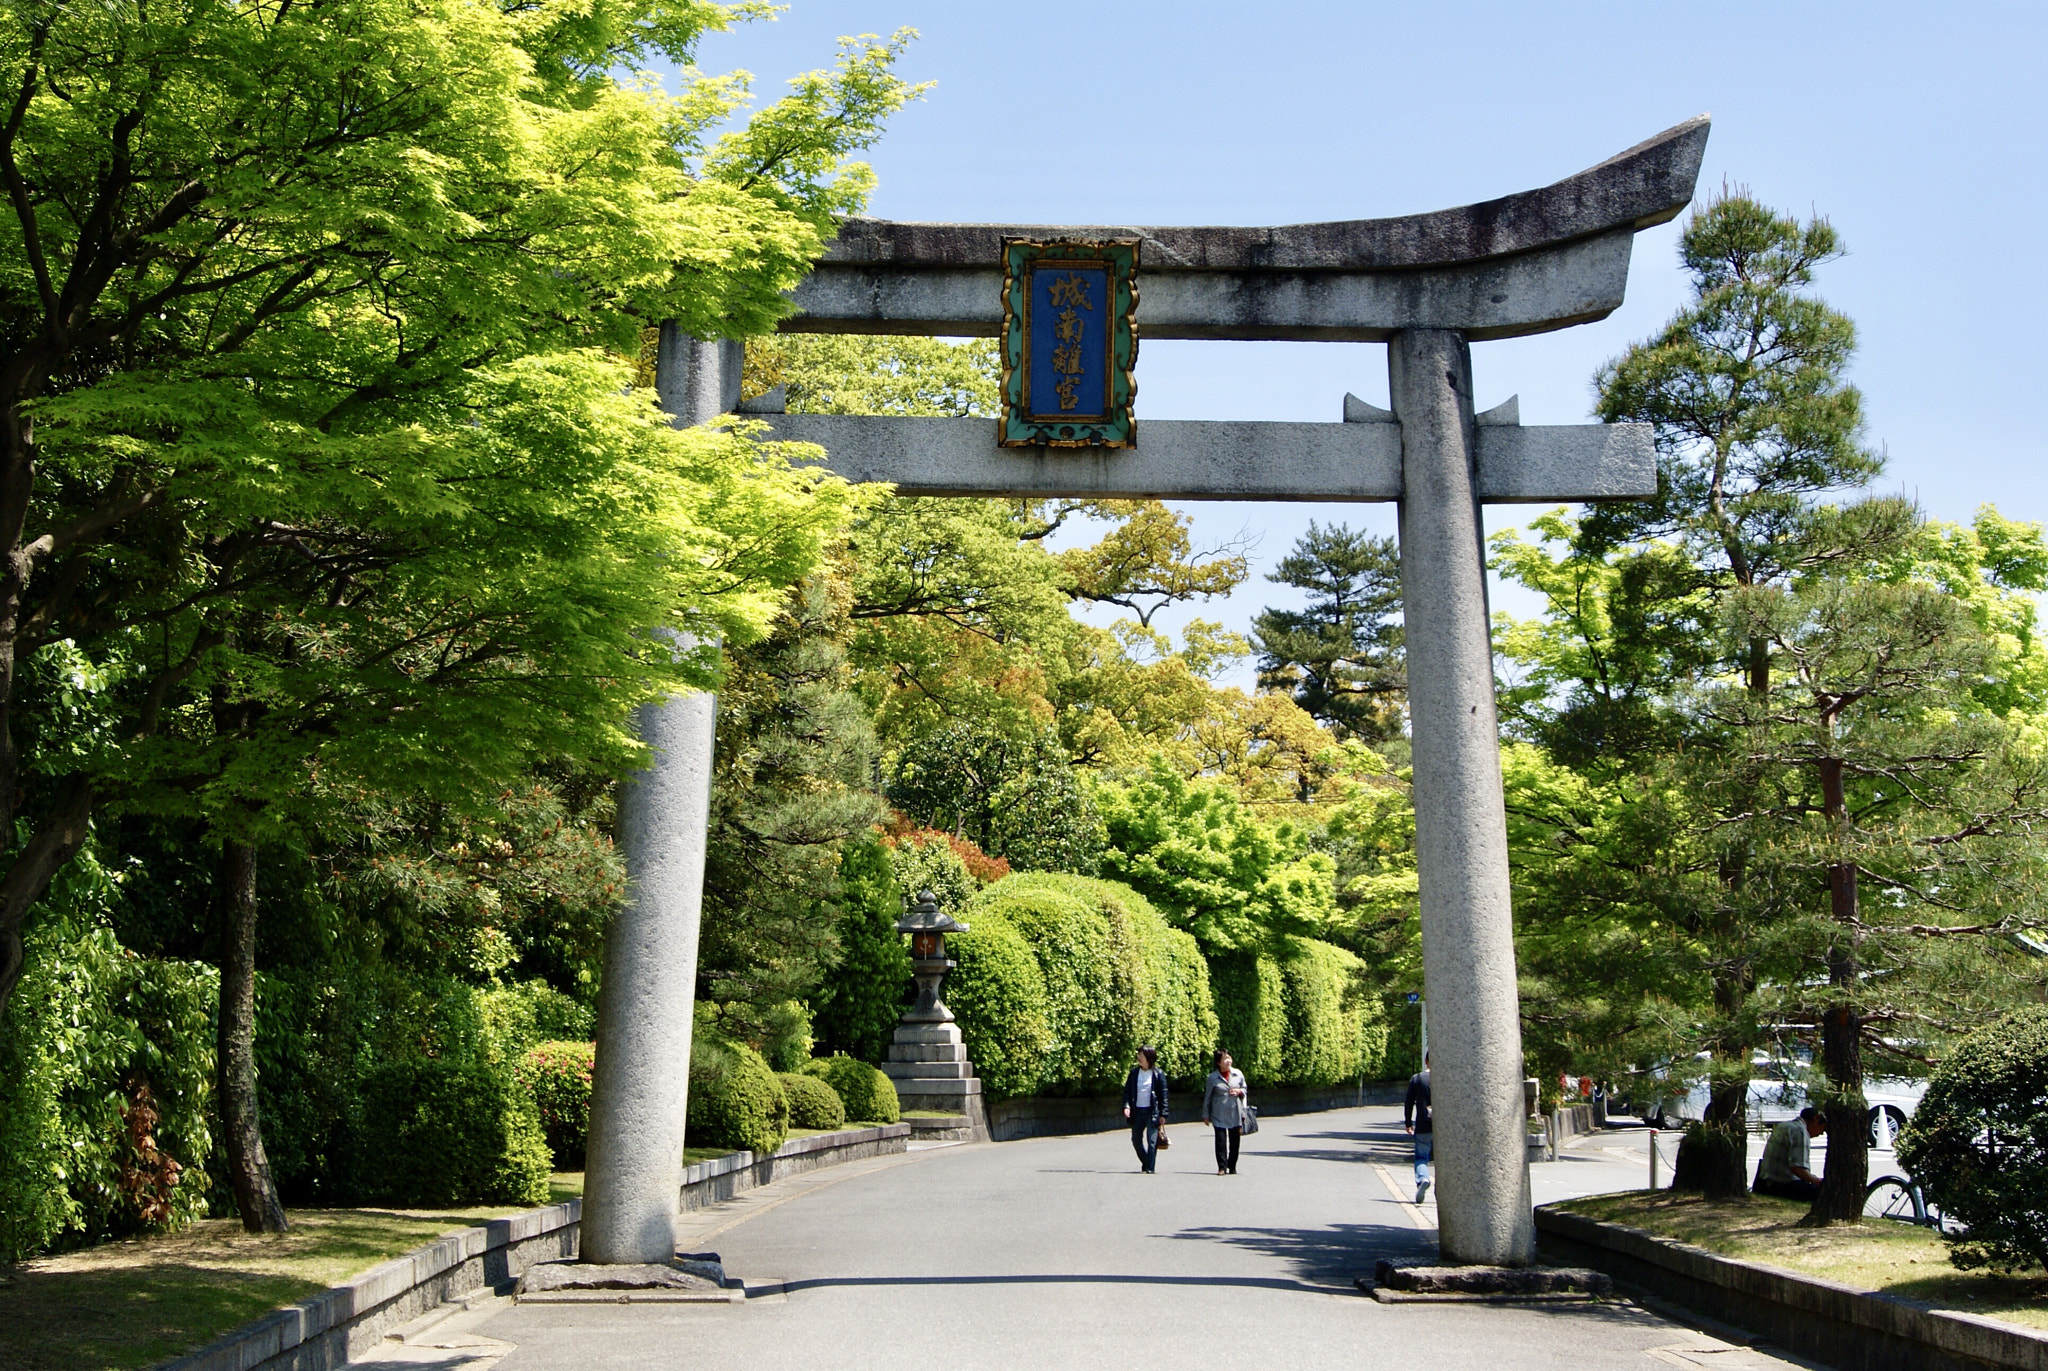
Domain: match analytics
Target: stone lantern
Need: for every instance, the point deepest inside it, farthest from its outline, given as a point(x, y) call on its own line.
point(928, 927)
point(928, 1059)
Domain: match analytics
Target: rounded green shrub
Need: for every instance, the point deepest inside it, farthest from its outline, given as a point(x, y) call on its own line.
point(735, 1099)
point(556, 1075)
point(998, 996)
point(436, 1132)
point(812, 1103)
point(1978, 1143)
point(867, 1094)
point(1086, 953)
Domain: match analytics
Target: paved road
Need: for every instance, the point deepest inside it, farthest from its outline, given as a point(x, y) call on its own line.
point(1055, 1253)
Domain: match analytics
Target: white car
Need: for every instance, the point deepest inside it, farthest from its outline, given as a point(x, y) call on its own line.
point(1777, 1092)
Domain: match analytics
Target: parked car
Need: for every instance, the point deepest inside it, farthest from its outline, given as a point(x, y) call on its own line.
point(1777, 1091)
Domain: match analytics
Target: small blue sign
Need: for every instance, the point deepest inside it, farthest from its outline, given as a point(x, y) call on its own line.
point(1413, 997)
point(1068, 369)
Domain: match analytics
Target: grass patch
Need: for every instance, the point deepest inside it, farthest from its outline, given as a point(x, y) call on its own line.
point(130, 1304)
point(925, 1114)
point(1892, 1258)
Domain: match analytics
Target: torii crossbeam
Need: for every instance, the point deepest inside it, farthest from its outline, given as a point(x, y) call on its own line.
point(1428, 285)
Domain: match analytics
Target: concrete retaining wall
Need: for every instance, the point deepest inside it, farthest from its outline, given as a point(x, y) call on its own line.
point(1050, 1115)
point(349, 1319)
point(721, 1178)
point(1856, 1330)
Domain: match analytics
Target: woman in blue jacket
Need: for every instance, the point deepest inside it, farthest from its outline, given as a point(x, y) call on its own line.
point(1145, 1106)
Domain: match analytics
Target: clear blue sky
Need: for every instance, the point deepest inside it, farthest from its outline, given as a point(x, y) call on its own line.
point(1915, 128)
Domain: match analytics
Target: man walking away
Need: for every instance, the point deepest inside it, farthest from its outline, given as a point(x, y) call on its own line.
point(1415, 1118)
point(1145, 1106)
point(1786, 1170)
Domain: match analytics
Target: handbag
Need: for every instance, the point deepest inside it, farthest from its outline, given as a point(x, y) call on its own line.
point(1251, 1120)
point(1164, 1141)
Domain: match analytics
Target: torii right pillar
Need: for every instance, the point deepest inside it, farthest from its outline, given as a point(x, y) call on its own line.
point(1461, 848)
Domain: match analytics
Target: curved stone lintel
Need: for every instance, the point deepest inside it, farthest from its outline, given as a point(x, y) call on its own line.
point(1648, 184)
point(1572, 283)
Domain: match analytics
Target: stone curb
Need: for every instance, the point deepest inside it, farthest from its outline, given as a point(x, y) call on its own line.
point(326, 1330)
point(1807, 1315)
point(721, 1178)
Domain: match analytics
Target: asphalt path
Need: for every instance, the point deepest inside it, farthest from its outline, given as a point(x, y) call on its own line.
point(1057, 1253)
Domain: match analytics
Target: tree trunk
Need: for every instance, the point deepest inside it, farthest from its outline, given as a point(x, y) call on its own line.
point(248, 1167)
point(56, 840)
point(1841, 1036)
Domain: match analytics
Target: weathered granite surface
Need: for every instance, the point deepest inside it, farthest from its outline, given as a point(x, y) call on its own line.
point(1648, 184)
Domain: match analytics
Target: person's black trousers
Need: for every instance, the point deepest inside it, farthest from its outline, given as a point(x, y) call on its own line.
point(1794, 1189)
point(1145, 1139)
point(1226, 1148)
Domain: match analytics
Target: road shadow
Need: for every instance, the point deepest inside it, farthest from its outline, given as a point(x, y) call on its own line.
point(1062, 1278)
point(1332, 1255)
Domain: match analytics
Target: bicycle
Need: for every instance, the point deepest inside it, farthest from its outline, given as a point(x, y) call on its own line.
point(1899, 1199)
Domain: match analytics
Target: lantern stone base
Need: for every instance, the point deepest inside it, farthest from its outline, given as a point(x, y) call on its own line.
point(928, 1064)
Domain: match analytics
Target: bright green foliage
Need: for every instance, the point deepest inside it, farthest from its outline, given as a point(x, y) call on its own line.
point(812, 1103)
point(528, 1014)
point(106, 1083)
point(735, 1099)
point(1108, 974)
point(1210, 864)
point(1176, 1006)
point(1299, 1014)
point(923, 861)
point(440, 1132)
point(1335, 1031)
point(1251, 1013)
point(556, 1076)
point(998, 997)
point(862, 997)
point(1014, 799)
point(1340, 655)
point(1978, 1143)
point(870, 374)
point(328, 461)
point(961, 606)
point(1088, 957)
point(869, 1096)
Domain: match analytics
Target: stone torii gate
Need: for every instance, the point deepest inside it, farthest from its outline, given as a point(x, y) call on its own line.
point(1427, 285)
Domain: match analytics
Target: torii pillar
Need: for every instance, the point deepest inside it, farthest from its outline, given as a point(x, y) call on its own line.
point(1426, 285)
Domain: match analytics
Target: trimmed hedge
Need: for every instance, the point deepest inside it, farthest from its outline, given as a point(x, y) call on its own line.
point(998, 997)
point(812, 1103)
point(735, 1100)
point(1088, 955)
point(1110, 974)
point(556, 1076)
point(1978, 1143)
point(867, 1094)
point(1251, 1013)
point(438, 1132)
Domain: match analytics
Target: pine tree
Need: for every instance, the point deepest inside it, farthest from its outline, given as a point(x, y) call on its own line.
point(861, 1000)
point(791, 787)
point(1340, 656)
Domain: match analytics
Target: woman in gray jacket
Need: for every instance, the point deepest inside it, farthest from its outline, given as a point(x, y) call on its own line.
point(1223, 1108)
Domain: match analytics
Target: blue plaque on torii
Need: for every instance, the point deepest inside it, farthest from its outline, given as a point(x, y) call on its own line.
point(1069, 343)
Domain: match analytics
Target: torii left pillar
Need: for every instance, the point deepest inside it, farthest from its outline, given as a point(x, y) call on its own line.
point(641, 1086)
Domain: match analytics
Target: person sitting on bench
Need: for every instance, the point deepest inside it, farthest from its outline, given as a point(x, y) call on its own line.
point(1785, 1170)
